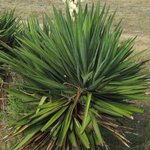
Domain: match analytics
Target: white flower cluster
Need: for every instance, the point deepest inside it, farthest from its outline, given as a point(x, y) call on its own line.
point(73, 7)
point(75, 1)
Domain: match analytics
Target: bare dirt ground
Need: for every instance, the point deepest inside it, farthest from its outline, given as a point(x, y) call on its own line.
point(136, 21)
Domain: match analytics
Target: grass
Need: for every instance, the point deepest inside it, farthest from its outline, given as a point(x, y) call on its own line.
point(136, 21)
point(140, 138)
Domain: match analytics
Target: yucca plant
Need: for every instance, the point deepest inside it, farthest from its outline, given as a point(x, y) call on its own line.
point(9, 27)
point(79, 79)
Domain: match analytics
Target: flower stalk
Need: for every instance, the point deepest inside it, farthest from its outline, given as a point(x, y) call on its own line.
point(73, 7)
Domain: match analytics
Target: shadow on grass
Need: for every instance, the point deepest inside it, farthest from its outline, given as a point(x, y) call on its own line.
point(140, 136)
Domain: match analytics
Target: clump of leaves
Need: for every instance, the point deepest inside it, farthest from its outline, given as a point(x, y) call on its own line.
point(79, 78)
point(9, 27)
